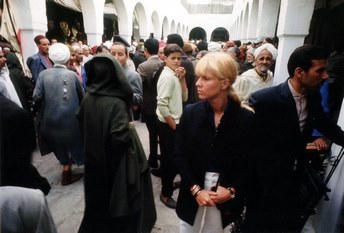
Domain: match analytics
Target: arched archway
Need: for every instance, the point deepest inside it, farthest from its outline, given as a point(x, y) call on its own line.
point(220, 34)
point(110, 21)
point(165, 28)
point(173, 27)
point(179, 29)
point(122, 15)
point(156, 25)
point(198, 33)
point(139, 23)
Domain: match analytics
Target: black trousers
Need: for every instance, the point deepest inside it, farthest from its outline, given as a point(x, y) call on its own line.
point(152, 126)
point(167, 164)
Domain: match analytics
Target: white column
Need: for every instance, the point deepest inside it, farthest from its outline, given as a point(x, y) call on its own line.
point(253, 19)
point(93, 13)
point(286, 45)
point(294, 21)
point(94, 38)
point(31, 19)
point(267, 18)
point(28, 45)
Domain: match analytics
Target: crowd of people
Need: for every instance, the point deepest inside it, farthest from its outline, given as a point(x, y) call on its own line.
point(212, 114)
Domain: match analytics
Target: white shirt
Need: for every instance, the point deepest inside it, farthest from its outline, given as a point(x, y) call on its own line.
point(170, 96)
point(6, 81)
point(301, 106)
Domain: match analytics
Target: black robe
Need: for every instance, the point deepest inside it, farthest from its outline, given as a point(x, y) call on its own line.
point(104, 119)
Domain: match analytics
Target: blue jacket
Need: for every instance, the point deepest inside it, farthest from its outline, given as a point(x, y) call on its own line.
point(36, 63)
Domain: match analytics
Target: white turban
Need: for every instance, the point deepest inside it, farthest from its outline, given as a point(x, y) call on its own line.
point(213, 46)
point(268, 47)
point(251, 51)
point(59, 53)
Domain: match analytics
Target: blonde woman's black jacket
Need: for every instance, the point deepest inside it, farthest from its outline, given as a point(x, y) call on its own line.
point(200, 148)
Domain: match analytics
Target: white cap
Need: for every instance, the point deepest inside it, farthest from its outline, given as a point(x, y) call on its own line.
point(214, 46)
point(59, 53)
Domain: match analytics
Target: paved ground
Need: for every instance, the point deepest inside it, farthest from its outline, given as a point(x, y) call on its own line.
point(67, 202)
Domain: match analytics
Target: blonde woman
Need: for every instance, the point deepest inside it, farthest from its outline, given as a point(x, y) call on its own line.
point(211, 150)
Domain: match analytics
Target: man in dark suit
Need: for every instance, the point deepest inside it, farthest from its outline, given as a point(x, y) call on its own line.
point(285, 117)
point(147, 71)
point(39, 61)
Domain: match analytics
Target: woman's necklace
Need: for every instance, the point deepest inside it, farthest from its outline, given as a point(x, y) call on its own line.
point(217, 119)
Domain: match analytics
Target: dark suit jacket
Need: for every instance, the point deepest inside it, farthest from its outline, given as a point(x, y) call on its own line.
point(280, 144)
point(147, 70)
point(36, 63)
point(190, 80)
point(199, 148)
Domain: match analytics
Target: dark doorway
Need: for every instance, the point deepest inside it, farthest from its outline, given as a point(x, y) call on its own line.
point(220, 34)
point(64, 24)
point(110, 26)
point(198, 33)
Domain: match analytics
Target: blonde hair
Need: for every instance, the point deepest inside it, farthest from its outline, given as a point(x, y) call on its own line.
point(223, 66)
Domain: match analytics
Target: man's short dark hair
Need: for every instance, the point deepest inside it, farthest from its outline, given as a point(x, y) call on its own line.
point(172, 48)
point(302, 57)
point(38, 38)
point(152, 46)
point(268, 40)
point(117, 38)
point(202, 46)
point(237, 43)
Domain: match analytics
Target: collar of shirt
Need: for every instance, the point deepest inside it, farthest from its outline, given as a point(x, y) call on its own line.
point(295, 94)
point(301, 106)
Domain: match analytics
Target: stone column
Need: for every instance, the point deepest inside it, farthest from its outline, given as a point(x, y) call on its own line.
point(294, 21)
point(93, 13)
point(31, 20)
point(94, 38)
point(267, 18)
point(252, 25)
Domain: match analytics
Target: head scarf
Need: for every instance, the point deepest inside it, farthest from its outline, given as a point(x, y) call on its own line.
point(12, 61)
point(105, 76)
point(251, 51)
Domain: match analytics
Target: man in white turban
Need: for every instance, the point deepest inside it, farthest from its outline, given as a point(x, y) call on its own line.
point(260, 76)
point(58, 94)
